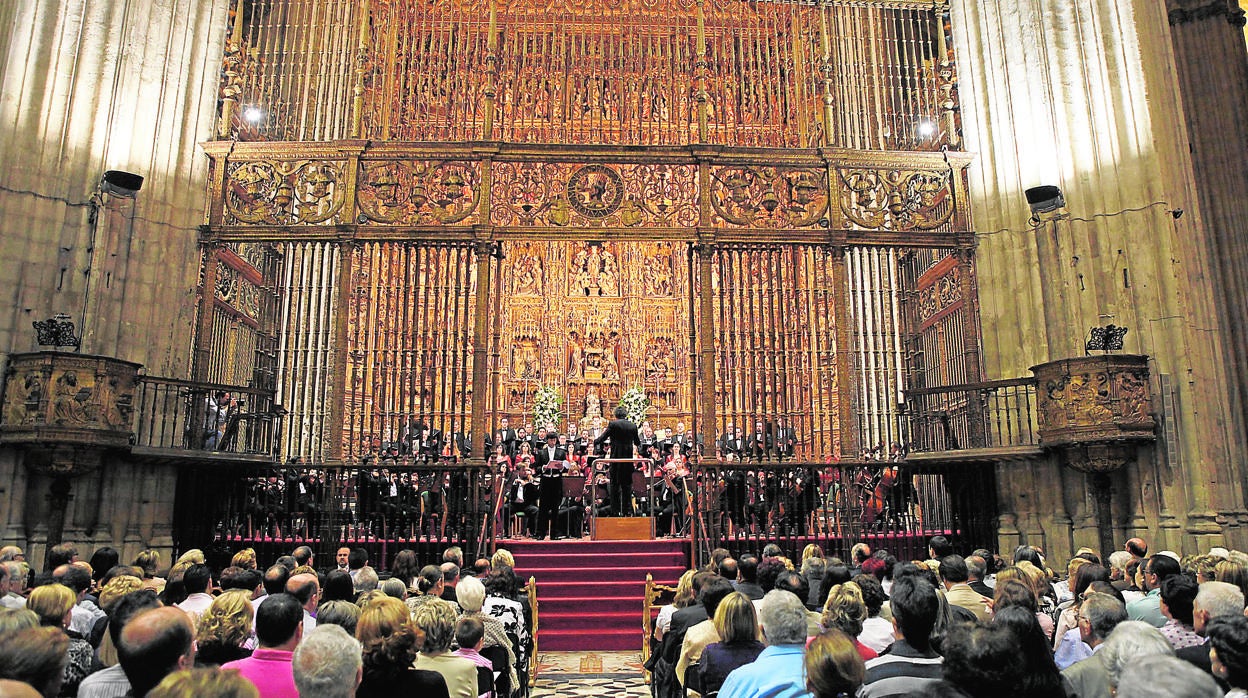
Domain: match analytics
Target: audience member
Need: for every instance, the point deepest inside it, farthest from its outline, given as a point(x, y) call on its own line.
point(327, 664)
point(834, 667)
point(1098, 616)
point(36, 657)
point(696, 638)
point(470, 636)
point(279, 627)
point(154, 644)
point(208, 681)
point(302, 555)
point(779, 669)
point(470, 594)
point(405, 569)
point(813, 571)
point(910, 664)
point(1233, 572)
point(60, 554)
point(1167, 677)
point(859, 554)
point(436, 620)
point(795, 584)
point(454, 555)
point(223, 629)
point(736, 625)
point(503, 601)
point(846, 611)
point(394, 588)
point(1178, 592)
point(429, 586)
point(338, 587)
point(54, 603)
point(1130, 642)
point(939, 548)
point(1228, 652)
point(955, 573)
point(450, 577)
point(343, 614)
point(1037, 674)
point(390, 642)
point(1213, 600)
point(365, 579)
point(85, 613)
point(747, 577)
point(305, 588)
point(877, 631)
point(976, 572)
point(13, 584)
point(682, 599)
point(111, 682)
point(197, 581)
point(1156, 570)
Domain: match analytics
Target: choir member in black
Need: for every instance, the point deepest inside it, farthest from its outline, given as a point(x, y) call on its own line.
point(551, 462)
point(462, 444)
point(264, 506)
point(734, 445)
point(671, 499)
point(784, 439)
point(408, 505)
point(679, 440)
point(429, 445)
point(761, 496)
point(432, 502)
point(758, 445)
point(505, 435)
point(622, 434)
point(722, 441)
point(522, 498)
point(732, 500)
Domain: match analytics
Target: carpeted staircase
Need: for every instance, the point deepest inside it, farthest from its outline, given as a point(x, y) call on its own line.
point(590, 593)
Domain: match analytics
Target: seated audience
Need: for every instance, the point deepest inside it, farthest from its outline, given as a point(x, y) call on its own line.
point(54, 604)
point(36, 657)
point(279, 627)
point(223, 629)
point(834, 667)
point(1037, 674)
point(910, 665)
point(154, 644)
point(699, 636)
point(1098, 616)
point(682, 599)
point(390, 642)
point(436, 619)
point(1155, 570)
point(1214, 600)
point(112, 682)
point(429, 586)
point(206, 681)
point(877, 631)
point(305, 587)
point(85, 612)
point(502, 601)
point(1167, 677)
point(736, 624)
point(327, 663)
point(13, 584)
point(343, 614)
point(338, 587)
point(470, 593)
point(470, 636)
point(1130, 642)
point(778, 670)
point(1228, 652)
point(845, 610)
point(1178, 592)
point(954, 574)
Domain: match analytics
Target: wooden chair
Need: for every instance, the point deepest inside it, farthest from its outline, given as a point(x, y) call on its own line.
point(532, 591)
point(656, 595)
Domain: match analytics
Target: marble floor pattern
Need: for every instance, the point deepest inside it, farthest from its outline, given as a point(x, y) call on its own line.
point(585, 674)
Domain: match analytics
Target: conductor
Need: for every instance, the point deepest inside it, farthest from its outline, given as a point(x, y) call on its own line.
point(622, 434)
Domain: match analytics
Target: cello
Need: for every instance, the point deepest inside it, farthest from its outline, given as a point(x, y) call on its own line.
point(876, 501)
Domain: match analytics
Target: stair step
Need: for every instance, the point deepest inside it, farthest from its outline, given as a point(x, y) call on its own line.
point(575, 620)
point(560, 604)
point(604, 640)
point(590, 589)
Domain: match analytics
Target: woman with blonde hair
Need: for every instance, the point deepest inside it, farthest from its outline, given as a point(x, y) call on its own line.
point(1232, 572)
point(391, 640)
point(834, 669)
point(191, 683)
point(245, 558)
point(845, 610)
point(149, 562)
point(53, 604)
point(502, 556)
point(683, 599)
point(224, 628)
point(736, 623)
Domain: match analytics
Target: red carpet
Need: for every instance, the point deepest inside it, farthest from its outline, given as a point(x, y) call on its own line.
point(590, 593)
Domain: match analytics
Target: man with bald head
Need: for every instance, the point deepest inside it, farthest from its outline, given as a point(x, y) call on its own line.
point(1137, 547)
point(154, 644)
point(307, 589)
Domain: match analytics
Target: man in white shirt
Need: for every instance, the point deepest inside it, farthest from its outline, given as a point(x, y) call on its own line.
point(197, 580)
point(85, 613)
point(12, 584)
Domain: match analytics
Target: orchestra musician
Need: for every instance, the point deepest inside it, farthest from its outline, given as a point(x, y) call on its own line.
point(671, 498)
point(758, 446)
point(522, 499)
point(622, 433)
point(785, 439)
point(551, 462)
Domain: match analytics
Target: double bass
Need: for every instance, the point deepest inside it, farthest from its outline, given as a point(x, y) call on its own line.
point(876, 501)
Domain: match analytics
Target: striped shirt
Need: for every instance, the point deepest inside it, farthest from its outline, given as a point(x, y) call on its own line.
point(902, 671)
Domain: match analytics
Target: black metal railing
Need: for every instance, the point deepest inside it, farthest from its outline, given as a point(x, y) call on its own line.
point(992, 414)
point(893, 505)
point(381, 506)
point(187, 415)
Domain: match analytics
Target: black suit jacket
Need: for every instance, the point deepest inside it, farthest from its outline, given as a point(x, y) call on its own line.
point(623, 437)
point(980, 588)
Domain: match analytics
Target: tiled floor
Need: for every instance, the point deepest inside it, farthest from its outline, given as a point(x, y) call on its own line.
point(585, 674)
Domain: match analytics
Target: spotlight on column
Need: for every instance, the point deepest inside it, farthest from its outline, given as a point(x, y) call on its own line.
point(123, 184)
point(1044, 199)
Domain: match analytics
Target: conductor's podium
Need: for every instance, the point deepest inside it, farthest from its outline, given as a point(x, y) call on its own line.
point(622, 528)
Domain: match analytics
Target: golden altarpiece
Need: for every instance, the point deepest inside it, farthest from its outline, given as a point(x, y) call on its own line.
point(425, 212)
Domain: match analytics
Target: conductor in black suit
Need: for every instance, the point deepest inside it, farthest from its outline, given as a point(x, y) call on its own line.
point(623, 437)
point(550, 463)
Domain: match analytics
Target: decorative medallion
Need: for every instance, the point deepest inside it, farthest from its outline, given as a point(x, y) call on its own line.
point(595, 191)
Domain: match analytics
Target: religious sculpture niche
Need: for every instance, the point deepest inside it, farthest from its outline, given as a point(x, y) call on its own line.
point(659, 359)
point(595, 271)
point(527, 272)
point(896, 199)
point(284, 193)
point(657, 272)
point(770, 197)
point(419, 192)
point(526, 358)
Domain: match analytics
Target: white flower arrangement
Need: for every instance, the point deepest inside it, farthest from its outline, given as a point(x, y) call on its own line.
point(546, 406)
point(636, 404)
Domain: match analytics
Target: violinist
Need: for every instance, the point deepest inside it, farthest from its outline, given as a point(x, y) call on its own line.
point(671, 498)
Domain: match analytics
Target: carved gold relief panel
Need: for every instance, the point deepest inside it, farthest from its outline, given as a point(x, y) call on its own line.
point(419, 192)
point(537, 194)
point(282, 192)
point(769, 197)
point(881, 199)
